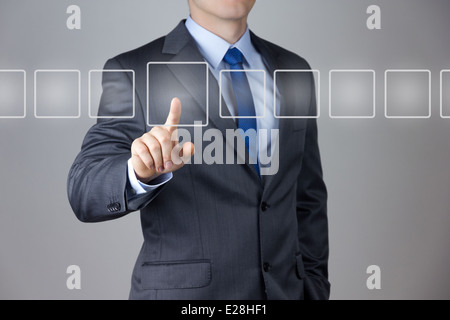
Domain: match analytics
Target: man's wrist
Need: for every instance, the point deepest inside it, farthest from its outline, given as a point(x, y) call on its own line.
point(147, 180)
point(141, 187)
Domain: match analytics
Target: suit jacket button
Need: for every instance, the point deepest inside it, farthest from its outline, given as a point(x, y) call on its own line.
point(114, 207)
point(267, 267)
point(264, 206)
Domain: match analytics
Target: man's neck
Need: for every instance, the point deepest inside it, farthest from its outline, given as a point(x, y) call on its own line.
point(229, 30)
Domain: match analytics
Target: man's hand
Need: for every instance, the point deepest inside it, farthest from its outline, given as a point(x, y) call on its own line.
point(152, 153)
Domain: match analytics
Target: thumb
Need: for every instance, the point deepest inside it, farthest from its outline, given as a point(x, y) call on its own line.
point(174, 116)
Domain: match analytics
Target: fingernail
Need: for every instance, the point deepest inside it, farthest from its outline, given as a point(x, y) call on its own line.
point(161, 169)
point(168, 165)
point(152, 167)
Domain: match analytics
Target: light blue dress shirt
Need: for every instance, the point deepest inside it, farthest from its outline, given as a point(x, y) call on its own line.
point(213, 49)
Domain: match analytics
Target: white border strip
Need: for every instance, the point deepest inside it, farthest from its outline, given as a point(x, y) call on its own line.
point(24, 93)
point(374, 93)
point(220, 95)
point(386, 90)
point(179, 63)
point(79, 94)
point(314, 71)
point(442, 95)
point(133, 93)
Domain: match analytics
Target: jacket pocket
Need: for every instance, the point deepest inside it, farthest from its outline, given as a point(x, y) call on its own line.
point(176, 274)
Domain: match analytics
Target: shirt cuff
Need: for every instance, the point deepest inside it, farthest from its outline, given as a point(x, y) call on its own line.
point(141, 188)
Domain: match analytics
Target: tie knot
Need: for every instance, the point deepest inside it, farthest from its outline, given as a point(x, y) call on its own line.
point(234, 58)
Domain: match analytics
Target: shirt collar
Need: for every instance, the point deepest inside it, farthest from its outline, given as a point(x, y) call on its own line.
point(213, 48)
point(246, 47)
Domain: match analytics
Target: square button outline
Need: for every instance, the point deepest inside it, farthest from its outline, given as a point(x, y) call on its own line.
point(374, 93)
point(442, 93)
point(79, 93)
point(134, 93)
point(207, 93)
point(385, 93)
point(220, 94)
point(24, 93)
point(318, 100)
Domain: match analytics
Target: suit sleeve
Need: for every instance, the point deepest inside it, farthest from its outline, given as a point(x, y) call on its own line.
point(312, 214)
point(98, 178)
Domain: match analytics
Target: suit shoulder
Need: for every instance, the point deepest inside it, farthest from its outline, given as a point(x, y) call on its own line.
point(289, 59)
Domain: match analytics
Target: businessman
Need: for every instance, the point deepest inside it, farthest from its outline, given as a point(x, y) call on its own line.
point(211, 230)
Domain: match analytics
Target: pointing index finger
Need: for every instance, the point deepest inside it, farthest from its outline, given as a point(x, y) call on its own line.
point(174, 116)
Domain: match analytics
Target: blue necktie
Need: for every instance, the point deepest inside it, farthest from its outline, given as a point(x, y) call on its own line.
point(243, 94)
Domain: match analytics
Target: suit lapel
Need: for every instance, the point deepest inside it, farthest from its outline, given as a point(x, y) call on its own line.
point(184, 63)
point(270, 58)
point(181, 45)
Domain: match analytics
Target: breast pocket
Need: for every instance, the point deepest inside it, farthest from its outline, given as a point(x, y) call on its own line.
point(176, 274)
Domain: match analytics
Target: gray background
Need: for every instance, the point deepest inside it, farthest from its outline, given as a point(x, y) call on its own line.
point(388, 179)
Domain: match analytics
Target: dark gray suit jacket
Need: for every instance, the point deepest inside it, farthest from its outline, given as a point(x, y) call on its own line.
point(213, 231)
